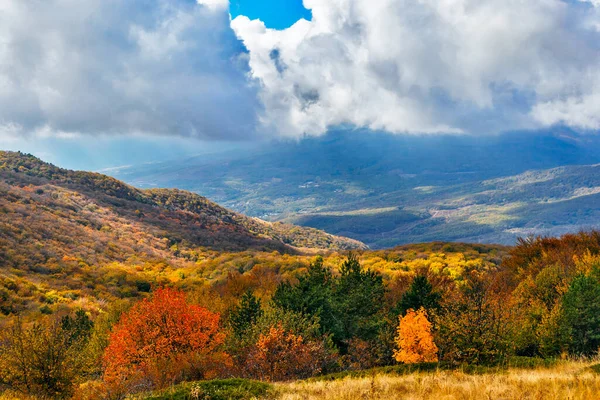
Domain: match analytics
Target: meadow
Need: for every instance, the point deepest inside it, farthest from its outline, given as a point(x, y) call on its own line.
point(567, 379)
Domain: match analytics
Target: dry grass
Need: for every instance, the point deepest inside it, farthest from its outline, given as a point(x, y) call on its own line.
point(568, 380)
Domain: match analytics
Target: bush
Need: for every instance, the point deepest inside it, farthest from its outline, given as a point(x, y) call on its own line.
point(226, 389)
point(42, 359)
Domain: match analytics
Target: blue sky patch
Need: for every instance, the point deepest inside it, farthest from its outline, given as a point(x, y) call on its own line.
point(276, 14)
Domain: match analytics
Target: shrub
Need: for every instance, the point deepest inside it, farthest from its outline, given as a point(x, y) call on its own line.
point(280, 355)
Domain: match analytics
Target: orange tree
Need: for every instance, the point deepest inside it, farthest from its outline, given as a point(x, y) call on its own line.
point(415, 341)
point(161, 341)
point(280, 355)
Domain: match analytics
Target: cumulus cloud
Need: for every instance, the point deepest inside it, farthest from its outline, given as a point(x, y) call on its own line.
point(73, 67)
point(429, 65)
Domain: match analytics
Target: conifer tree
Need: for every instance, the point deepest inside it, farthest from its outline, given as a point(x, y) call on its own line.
point(245, 315)
point(312, 295)
point(359, 298)
point(581, 306)
point(420, 294)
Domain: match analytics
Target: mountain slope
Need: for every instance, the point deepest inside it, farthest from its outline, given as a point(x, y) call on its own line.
point(172, 214)
point(68, 237)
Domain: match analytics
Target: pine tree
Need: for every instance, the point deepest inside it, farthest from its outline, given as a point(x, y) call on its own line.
point(420, 294)
point(245, 315)
point(77, 328)
point(359, 299)
point(581, 306)
point(312, 295)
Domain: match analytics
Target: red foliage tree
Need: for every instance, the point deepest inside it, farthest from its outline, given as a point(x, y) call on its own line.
point(164, 340)
point(281, 355)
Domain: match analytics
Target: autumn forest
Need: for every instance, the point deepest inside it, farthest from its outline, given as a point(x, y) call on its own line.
point(112, 292)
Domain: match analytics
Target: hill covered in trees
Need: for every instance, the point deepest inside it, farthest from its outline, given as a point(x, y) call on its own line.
point(108, 291)
point(57, 224)
point(417, 309)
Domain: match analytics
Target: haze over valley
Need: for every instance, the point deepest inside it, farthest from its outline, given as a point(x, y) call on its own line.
point(387, 190)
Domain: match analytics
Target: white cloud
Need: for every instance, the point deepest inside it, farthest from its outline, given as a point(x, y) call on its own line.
point(113, 67)
point(215, 4)
point(176, 67)
point(429, 65)
point(580, 110)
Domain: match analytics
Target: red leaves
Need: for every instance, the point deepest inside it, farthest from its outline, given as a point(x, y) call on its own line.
point(164, 331)
point(281, 355)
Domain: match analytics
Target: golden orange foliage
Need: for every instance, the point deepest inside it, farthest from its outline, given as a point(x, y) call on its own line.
point(415, 341)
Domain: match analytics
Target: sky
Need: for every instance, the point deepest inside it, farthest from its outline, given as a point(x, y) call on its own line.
point(91, 83)
point(276, 14)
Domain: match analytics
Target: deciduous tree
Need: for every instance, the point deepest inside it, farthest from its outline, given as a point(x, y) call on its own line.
point(164, 340)
point(280, 355)
point(415, 340)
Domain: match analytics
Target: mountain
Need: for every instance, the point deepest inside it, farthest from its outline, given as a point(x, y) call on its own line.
point(62, 229)
point(386, 190)
point(93, 200)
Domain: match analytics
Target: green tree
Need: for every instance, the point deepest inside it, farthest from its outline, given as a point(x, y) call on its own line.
point(581, 306)
point(245, 315)
point(359, 301)
point(419, 295)
point(77, 328)
point(312, 295)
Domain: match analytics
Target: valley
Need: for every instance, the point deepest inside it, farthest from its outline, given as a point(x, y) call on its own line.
point(385, 191)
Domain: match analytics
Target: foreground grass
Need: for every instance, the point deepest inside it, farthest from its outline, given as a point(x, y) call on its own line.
point(565, 380)
point(561, 380)
point(225, 389)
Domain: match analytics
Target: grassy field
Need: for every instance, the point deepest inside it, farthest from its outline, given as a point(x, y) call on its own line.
point(572, 380)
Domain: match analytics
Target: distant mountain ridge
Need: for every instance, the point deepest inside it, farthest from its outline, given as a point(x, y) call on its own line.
point(386, 190)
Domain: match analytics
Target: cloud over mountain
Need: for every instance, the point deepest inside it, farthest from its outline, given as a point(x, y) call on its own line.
point(182, 67)
point(430, 65)
point(120, 67)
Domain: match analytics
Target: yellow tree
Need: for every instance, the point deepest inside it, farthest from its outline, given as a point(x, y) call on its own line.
point(414, 340)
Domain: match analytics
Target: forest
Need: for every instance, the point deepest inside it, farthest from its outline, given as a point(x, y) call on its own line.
point(111, 292)
point(538, 304)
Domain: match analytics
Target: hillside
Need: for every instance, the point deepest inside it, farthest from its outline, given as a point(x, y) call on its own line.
point(387, 190)
point(56, 224)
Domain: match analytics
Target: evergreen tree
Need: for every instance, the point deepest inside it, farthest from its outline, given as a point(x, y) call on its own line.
point(312, 295)
point(359, 299)
point(245, 315)
point(77, 328)
point(581, 307)
point(419, 295)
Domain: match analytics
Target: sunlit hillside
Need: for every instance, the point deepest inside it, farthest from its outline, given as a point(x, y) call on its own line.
point(111, 292)
point(387, 190)
point(71, 237)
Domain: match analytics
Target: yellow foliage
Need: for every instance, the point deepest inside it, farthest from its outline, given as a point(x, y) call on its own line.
point(415, 341)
